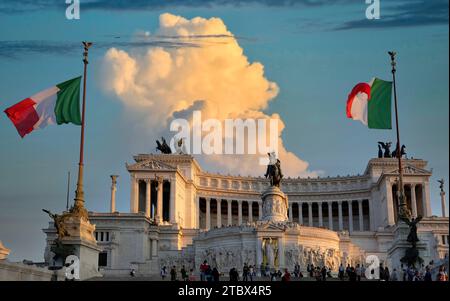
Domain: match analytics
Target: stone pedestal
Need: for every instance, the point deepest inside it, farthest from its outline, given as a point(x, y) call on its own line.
point(274, 206)
point(4, 252)
point(81, 238)
point(399, 247)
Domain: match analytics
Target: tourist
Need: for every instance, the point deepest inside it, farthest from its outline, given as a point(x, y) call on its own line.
point(312, 271)
point(427, 276)
point(404, 272)
point(234, 275)
point(351, 274)
point(251, 272)
point(184, 275)
point(410, 271)
point(381, 271)
point(215, 274)
point(348, 270)
point(267, 271)
point(286, 276)
point(209, 274)
point(324, 273)
point(245, 271)
point(394, 276)
point(163, 272)
point(387, 275)
point(442, 275)
point(296, 270)
point(203, 267)
point(263, 271)
point(132, 273)
point(358, 272)
point(192, 275)
point(341, 272)
point(173, 274)
point(273, 276)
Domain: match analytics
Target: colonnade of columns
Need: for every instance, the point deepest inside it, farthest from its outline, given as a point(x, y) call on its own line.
point(418, 204)
point(157, 213)
point(311, 218)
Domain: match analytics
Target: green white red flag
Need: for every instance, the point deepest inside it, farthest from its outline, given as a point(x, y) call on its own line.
point(56, 105)
point(370, 103)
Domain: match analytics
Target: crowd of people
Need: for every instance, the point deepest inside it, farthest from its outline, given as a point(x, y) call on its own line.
point(350, 273)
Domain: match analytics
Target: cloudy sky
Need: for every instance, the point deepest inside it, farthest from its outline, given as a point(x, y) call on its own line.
point(295, 61)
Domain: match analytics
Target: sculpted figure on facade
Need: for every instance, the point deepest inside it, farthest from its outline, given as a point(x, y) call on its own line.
point(270, 249)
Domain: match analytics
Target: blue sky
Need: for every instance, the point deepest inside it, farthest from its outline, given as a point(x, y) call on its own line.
point(315, 53)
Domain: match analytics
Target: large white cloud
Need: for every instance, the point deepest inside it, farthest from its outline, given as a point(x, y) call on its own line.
point(201, 66)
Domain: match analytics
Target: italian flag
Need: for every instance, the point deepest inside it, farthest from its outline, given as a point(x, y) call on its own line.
point(370, 103)
point(56, 105)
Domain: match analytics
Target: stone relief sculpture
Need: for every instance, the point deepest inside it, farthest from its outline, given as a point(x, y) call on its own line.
point(306, 255)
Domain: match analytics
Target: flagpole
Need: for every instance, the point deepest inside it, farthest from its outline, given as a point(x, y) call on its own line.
point(68, 187)
point(403, 209)
point(79, 193)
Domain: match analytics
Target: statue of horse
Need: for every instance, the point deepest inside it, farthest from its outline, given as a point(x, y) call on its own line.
point(386, 146)
point(163, 147)
point(402, 151)
point(273, 171)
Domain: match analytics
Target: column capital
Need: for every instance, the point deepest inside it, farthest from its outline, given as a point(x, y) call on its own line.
point(159, 179)
point(360, 201)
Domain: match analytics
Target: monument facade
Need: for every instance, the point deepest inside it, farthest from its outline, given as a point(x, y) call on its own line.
point(181, 215)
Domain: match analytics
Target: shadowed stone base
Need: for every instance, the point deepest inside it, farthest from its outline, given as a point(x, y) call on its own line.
point(81, 238)
point(274, 205)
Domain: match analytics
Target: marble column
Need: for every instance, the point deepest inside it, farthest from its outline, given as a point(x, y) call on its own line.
point(443, 205)
point(219, 213)
point(148, 196)
point(320, 214)
point(426, 199)
point(159, 201)
point(310, 215)
point(134, 201)
point(250, 211)
point(341, 224)
point(260, 210)
point(330, 215)
point(208, 214)
point(239, 212)
point(113, 193)
point(360, 215)
point(390, 204)
point(300, 213)
point(413, 200)
point(350, 216)
point(173, 204)
point(229, 212)
point(198, 212)
point(290, 212)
